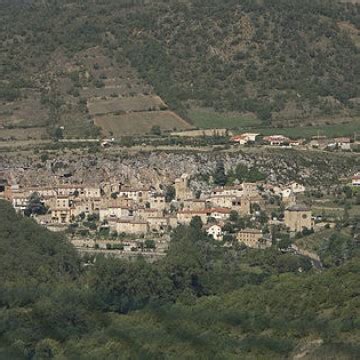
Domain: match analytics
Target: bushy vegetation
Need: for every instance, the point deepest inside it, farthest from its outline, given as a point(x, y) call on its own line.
point(278, 59)
point(202, 301)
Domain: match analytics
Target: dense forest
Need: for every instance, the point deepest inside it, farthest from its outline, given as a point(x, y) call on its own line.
point(279, 59)
point(202, 301)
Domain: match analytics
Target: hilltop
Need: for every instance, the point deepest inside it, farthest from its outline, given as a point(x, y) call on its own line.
point(122, 67)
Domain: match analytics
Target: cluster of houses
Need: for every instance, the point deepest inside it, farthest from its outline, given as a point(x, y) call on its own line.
point(143, 211)
point(317, 142)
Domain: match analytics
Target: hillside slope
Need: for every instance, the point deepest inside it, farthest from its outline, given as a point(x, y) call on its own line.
point(201, 301)
point(287, 62)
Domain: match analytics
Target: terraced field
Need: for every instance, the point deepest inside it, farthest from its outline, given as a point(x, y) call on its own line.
point(139, 123)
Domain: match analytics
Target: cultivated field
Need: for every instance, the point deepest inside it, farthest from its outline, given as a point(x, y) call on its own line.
point(35, 133)
point(24, 112)
point(208, 119)
point(126, 104)
point(138, 123)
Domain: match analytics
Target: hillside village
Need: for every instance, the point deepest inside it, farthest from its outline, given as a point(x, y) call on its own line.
point(117, 216)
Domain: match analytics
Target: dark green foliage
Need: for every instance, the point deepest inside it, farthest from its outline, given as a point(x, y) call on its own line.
point(337, 249)
point(219, 174)
point(201, 301)
point(35, 206)
point(155, 130)
point(170, 193)
point(243, 174)
point(244, 56)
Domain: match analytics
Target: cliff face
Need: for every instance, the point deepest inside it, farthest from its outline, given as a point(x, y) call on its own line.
point(162, 167)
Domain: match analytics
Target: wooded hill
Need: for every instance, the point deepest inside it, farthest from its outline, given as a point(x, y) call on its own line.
point(202, 301)
point(70, 63)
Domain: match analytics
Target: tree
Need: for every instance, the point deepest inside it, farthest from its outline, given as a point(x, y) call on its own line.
point(58, 134)
point(234, 216)
point(348, 192)
point(35, 206)
point(170, 193)
point(149, 244)
point(196, 223)
point(219, 174)
point(155, 130)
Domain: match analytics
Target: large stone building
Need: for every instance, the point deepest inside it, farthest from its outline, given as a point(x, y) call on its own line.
point(253, 238)
point(297, 218)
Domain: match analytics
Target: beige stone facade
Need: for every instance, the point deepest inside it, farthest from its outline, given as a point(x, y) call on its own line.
point(252, 238)
point(297, 218)
point(182, 188)
point(131, 226)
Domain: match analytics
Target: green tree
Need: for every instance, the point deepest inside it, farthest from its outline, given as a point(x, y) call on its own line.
point(35, 206)
point(155, 130)
point(219, 174)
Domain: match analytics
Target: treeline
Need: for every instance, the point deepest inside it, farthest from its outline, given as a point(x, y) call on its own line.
point(201, 301)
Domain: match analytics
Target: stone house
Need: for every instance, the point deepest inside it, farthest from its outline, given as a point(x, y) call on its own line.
point(241, 205)
point(184, 217)
point(220, 213)
point(115, 213)
point(252, 238)
point(277, 140)
point(355, 180)
point(86, 206)
point(118, 202)
point(344, 143)
point(297, 188)
point(61, 215)
point(69, 189)
point(146, 213)
point(139, 195)
point(44, 192)
point(244, 138)
point(249, 188)
point(194, 204)
point(157, 201)
point(297, 218)
point(234, 190)
point(159, 224)
point(20, 201)
point(221, 201)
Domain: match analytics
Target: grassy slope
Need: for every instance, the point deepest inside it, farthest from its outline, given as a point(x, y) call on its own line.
point(230, 56)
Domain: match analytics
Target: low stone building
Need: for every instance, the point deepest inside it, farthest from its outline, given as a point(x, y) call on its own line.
point(297, 218)
point(146, 213)
point(157, 202)
point(61, 215)
point(241, 205)
point(253, 238)
point(139, 195)
point(195, 204)
point(115, 213)
point(355, 180)
point(184, 217)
